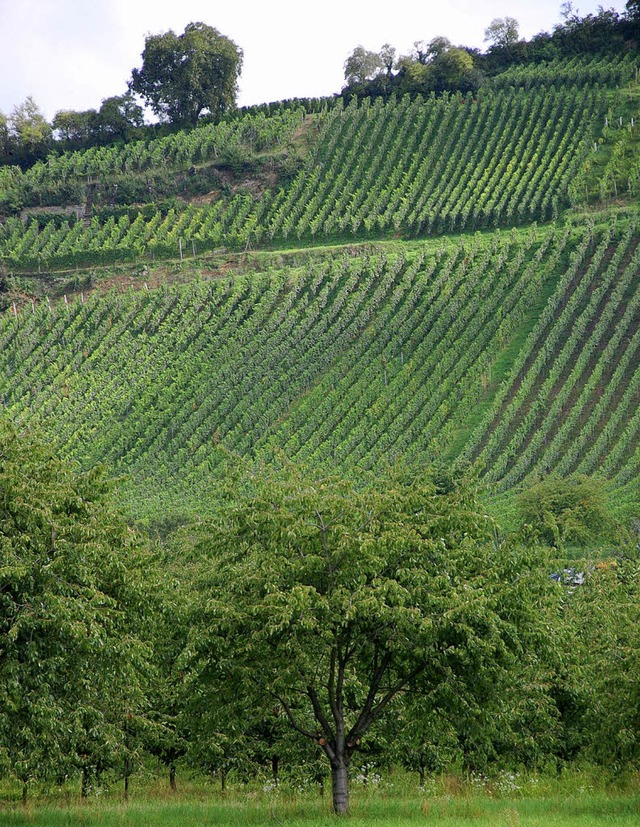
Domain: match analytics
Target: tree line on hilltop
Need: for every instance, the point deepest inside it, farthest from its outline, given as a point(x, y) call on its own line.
point(194, 75)
point(439, 66)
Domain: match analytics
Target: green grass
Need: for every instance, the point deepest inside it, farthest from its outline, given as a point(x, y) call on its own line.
point(591, 809)
point(577, 798)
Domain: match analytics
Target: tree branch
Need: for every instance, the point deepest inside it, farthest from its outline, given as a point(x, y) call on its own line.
point(364, 721)
point(378, 674)
point(332, 689)
point(293, 722)
point(342, 662)
point(317, 711)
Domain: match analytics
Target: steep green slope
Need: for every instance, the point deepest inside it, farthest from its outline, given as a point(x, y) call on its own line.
point(514, 351)
point(517, 350)
point(142, 170)
point(406, 167)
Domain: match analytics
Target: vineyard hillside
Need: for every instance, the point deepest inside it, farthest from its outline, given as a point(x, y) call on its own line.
point(517, 152)
point(452, 280)
point(516, 351)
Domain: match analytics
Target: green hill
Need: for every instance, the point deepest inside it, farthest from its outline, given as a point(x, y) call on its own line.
point(515, 350)
point(403, 167)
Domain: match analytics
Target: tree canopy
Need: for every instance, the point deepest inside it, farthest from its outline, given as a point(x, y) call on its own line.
point(184, 75)
point(437, 66)
point(564, 511)
point(361, 66)
point(502, 32)
point(328, 601)
point(26, 135)
point(71, 612)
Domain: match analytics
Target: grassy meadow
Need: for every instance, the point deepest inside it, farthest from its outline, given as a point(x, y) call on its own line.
point(577, 798)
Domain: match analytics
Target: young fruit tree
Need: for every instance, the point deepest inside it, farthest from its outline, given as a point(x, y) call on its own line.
point(72, 613)
point(328, 600)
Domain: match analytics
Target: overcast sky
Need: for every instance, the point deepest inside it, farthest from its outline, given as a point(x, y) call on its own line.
point(70, 54)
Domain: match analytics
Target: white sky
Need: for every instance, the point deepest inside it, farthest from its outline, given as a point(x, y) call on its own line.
point(70, 54)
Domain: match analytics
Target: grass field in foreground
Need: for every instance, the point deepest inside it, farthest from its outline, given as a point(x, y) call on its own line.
point(477, 811)
point(577, 798)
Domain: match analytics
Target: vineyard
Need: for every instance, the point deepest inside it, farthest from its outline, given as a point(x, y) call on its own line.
point(513, 347)
point(355, 383)
point(578, 71)
point(351, 362)
point(61, 177)
point(408, 168)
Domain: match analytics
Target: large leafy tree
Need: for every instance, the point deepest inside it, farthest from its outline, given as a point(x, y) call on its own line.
point(72, 663)
point(362, 66)
point(185, 75)
point(29, 131)
point(603, 622)
point(118, 117)
point(72, 127)
point(502, 32)
point(4, 136)
point(329, 601)
point(565, 511)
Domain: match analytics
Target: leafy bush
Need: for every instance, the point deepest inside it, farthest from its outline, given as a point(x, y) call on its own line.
point(571, 510)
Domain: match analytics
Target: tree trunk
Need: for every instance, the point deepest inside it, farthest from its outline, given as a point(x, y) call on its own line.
point(127, 773)
point(340, 789)
point(84, 786)
point(25, 793)
point(172, 777)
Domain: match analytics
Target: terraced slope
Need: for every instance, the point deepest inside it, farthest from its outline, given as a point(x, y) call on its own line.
point(406, 167)
point(67, 178)
point(516, 350)
point(576, 71)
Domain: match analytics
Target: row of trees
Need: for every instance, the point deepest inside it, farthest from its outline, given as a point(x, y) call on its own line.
point(605, 32)
point(27, 137)
point(309, 620)
point(181, 77)
point(438, 65)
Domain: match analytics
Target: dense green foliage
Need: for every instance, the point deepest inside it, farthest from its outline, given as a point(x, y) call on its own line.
point(518, 351)
point(299, 603)
point(72, 618)
point(331, 601)
point(563, 511)
point(305, 604)
point(184, 75)
point(133, 172)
